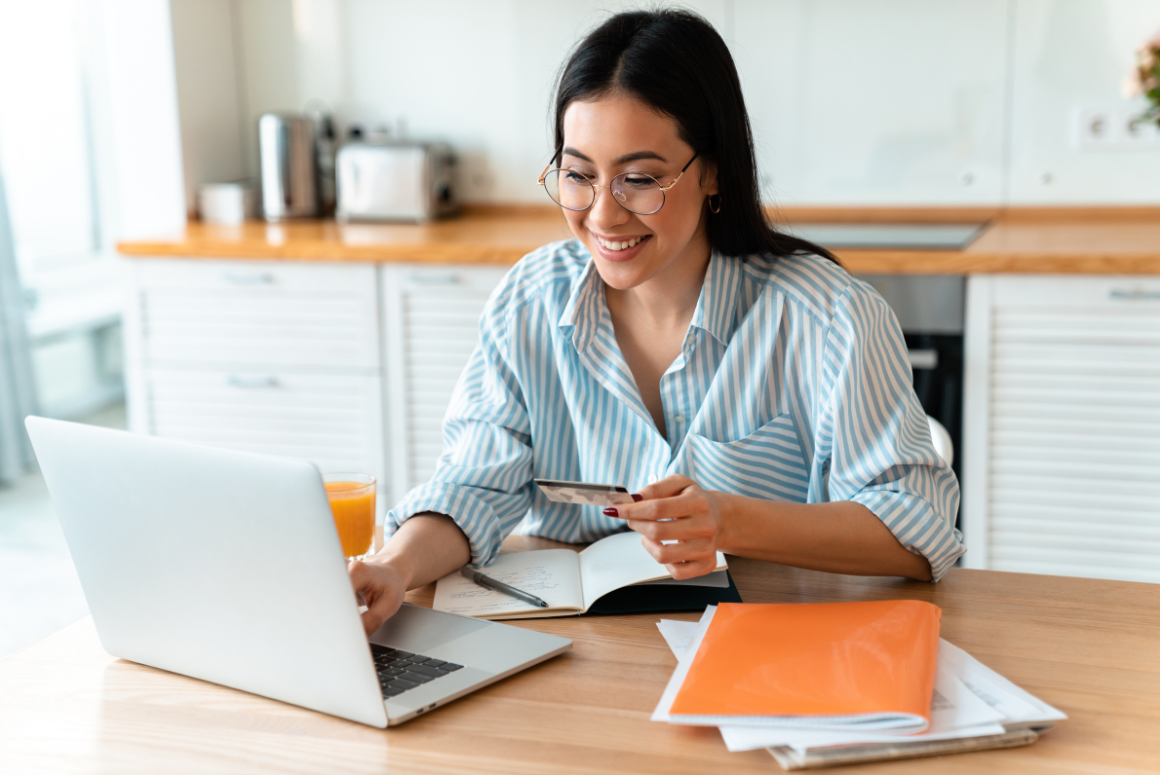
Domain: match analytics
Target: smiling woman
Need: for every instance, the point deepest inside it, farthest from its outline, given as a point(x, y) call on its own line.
point(755, 396)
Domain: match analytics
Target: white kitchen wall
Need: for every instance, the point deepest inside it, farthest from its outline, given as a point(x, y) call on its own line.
point(973, 102)
point(1070, 58)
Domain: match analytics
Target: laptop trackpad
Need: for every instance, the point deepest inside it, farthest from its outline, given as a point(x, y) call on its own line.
point(415, 629)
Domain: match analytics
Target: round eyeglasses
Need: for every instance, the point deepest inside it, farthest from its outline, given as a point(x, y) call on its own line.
point(634, 191)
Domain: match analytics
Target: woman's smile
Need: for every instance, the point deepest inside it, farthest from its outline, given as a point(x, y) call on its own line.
point(619, 248)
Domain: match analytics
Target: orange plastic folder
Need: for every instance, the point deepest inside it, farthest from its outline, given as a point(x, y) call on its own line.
point(814, 660)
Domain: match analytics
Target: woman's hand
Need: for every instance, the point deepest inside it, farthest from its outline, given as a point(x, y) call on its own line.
point(381, 587)
point(695, 523)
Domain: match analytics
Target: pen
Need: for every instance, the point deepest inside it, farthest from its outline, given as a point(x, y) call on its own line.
point(499, 586)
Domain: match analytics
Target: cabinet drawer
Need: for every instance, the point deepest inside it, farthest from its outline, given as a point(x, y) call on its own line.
point(334, 422)
point(213, 313)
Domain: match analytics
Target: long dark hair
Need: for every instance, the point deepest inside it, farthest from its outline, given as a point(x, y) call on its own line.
point(674, 61)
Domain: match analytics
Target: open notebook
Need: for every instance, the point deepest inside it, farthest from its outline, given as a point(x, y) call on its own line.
point(569, 582)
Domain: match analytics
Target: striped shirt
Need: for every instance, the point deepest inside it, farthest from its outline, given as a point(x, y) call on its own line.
point(792, 384)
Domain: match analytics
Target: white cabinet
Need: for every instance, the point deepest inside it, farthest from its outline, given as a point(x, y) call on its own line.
point(264, 356)
point(1062, 425)
point(431, 326)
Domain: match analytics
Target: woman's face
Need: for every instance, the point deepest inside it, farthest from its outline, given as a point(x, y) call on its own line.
point(611, 135)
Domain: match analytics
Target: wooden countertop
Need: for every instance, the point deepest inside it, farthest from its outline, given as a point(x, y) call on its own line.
point(1091, 648)
point(1063, 240)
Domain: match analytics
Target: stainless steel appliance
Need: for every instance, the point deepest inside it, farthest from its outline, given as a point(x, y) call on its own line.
point(395, 181)
point(286, 149)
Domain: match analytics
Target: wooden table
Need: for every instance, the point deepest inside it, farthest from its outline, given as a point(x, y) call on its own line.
point(1091, 648)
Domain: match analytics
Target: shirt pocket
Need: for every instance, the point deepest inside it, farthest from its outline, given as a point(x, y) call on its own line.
point(767, 463)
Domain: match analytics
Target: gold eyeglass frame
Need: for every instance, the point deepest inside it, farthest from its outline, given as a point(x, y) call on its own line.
point(664, 189)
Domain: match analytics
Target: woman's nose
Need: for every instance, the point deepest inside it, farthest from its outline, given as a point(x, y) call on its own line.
point(605, 212)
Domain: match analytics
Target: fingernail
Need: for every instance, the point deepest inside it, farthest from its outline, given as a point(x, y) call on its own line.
point(637, 497)
point(611, 513)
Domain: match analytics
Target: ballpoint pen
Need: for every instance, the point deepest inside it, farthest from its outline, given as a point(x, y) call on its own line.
point(499, 586)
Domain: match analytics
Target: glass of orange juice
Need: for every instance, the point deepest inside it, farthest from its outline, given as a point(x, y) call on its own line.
point(352, 501)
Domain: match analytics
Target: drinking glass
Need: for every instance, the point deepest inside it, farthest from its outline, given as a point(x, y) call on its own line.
point(352, 501)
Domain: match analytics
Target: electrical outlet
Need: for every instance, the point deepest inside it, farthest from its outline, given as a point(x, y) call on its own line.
point(1093, 129)
point(1134, 131)
point(1114, 129)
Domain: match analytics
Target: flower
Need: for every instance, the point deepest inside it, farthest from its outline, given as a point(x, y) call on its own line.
point(1144, 80)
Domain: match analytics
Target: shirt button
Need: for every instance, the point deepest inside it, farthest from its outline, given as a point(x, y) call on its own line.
point(653, 478)
point(678, 418)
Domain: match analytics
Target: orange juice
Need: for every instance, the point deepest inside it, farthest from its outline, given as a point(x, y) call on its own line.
point(353, 506)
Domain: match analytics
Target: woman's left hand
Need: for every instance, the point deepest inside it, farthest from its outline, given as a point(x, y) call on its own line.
point(695, 522)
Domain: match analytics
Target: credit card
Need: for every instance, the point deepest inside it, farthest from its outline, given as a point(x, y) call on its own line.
point(584, 493)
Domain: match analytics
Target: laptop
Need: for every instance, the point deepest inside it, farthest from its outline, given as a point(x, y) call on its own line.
point(226, 566)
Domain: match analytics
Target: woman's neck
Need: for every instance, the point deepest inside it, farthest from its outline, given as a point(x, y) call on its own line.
point(664, 302)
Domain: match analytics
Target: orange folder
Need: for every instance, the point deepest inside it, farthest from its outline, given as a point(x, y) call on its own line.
point(814, 659)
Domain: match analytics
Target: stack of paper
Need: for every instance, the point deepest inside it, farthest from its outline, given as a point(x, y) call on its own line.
point(973, 707)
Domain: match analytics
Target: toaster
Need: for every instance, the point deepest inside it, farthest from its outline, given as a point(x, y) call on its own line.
point(395, 181)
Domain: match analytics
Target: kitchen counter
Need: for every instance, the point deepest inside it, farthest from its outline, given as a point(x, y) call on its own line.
point(1061, 240)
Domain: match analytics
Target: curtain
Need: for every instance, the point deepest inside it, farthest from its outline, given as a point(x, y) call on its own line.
point(17, 383)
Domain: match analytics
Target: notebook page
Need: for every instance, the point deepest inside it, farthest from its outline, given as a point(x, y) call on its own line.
point(553, 575)
point(620, 561)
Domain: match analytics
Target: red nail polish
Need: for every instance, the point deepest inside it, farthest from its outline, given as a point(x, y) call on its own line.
point(611, 513)
point(637, 497)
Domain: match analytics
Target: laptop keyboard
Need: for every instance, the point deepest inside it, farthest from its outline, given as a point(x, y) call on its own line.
point(401, 671)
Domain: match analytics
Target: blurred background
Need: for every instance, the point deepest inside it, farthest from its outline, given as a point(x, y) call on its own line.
point(113, 114)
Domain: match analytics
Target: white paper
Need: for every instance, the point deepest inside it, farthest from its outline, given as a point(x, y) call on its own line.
point(677, 634)
point(1019, 706)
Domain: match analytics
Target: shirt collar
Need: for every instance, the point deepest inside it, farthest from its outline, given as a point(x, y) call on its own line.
point(716, 310)
point(583, 310)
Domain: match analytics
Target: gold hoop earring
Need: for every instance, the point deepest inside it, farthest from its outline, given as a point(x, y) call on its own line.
point(716, 209)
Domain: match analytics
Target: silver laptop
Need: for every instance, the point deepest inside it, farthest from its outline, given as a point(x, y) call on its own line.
point(226, 566)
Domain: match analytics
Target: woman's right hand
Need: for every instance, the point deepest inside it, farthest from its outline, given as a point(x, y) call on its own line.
point(382, 588)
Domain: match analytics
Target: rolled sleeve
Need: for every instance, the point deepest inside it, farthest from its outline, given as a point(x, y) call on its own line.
point(483, 478)
point(874, 441)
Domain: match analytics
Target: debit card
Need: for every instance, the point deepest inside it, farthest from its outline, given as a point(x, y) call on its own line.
point(584, 493)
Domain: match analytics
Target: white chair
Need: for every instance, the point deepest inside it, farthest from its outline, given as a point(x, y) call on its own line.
point(942, 440)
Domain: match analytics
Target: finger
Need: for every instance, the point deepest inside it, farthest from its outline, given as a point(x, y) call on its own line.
point(687, 504)
point(675, 530)
point(682, 551)
point(381, 608)
point(691, 569)
point(665, 488)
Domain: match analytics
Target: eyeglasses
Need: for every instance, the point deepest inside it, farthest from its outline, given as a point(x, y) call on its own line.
point(634, 191)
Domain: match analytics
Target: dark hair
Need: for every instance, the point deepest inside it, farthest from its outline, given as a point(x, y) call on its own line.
point(674, 61)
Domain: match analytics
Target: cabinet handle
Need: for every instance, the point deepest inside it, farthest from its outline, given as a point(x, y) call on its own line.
point(433, 279)
point(250, 383)
point(923, 359)
point(249, 278)
point(1137, 294)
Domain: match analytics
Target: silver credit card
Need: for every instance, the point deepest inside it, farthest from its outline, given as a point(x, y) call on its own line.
point(584, 493)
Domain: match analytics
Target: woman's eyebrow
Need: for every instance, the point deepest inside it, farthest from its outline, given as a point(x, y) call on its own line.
point(635, 156)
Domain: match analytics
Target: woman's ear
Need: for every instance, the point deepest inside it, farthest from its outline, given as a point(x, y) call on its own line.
point(709, 178)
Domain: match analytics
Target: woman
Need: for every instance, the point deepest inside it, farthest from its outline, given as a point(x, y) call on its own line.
point(755, 396)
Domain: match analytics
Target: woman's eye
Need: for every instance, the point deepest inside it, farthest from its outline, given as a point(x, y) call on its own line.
point(639, 181)
point(574, 177)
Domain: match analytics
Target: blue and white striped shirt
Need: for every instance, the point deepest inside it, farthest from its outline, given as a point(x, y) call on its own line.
point(792, 384)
